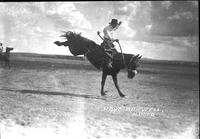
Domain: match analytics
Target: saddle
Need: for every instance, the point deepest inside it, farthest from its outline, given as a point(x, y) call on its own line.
point(108, 48)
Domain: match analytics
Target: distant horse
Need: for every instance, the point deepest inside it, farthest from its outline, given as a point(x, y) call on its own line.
point(5, 57)
point(79, 45)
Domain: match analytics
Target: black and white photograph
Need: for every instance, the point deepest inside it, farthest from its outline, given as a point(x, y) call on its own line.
point(99, 69)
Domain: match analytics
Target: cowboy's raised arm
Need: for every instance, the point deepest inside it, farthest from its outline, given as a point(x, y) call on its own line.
point(117, 26)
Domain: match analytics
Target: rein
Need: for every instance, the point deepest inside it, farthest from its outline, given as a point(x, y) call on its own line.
point(124, 59)
point(121, 52)
point(130, 62)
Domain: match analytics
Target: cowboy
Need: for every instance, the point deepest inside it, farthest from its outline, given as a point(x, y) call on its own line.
point(109, 39)
point(1, 48)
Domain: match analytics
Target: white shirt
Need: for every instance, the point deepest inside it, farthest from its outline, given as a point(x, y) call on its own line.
point(108, 32)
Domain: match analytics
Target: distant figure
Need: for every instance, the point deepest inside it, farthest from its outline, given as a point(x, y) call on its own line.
point(109, 39)
point(1, 48)
point(5, 57)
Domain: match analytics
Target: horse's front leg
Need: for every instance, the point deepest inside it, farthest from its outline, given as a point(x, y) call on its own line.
point(103, 80)
point(114, 77)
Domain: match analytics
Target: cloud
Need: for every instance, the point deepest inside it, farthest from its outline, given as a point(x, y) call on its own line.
point(125, 32)
point(175, 41)
point(178, 15)
point(180, 20)
point(126, 9)
point(166, 4)
point(135, 16)
point(141, 17)
point(33, 26)
point(69, 12)
point(132, 16)
point(58, 12)
point(148, 27)
point(156, 29)
point(66, 12)
point(159, 50)
point(194, 3)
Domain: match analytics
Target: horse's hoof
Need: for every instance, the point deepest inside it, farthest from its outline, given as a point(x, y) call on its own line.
point(122, 95)
point(103, 93)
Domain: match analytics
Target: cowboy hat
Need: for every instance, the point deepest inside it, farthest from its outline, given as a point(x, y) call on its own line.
point(114, 21)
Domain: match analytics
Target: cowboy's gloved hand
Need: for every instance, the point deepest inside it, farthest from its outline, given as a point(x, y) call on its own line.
point(98, 32)
point(116, 40)
point(120, 22)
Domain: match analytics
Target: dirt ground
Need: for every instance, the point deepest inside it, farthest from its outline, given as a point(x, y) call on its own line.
point(58, 98)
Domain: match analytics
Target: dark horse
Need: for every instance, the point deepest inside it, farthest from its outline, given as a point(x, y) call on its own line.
point(79, 45)
point(5, 57)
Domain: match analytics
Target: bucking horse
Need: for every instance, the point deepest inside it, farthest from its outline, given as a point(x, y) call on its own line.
point(79, 45)
point(5, 57)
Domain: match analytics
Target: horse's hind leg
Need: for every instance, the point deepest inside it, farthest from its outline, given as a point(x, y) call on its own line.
point(117, 86)
point(103, 83)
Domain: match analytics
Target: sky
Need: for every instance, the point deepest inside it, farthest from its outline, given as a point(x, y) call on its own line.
point(164, 30)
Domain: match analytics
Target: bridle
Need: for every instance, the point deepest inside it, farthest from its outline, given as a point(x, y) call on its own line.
point(128, 69)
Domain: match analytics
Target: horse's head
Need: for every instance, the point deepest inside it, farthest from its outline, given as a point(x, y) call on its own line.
point(132, 66)
point(8, 49)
